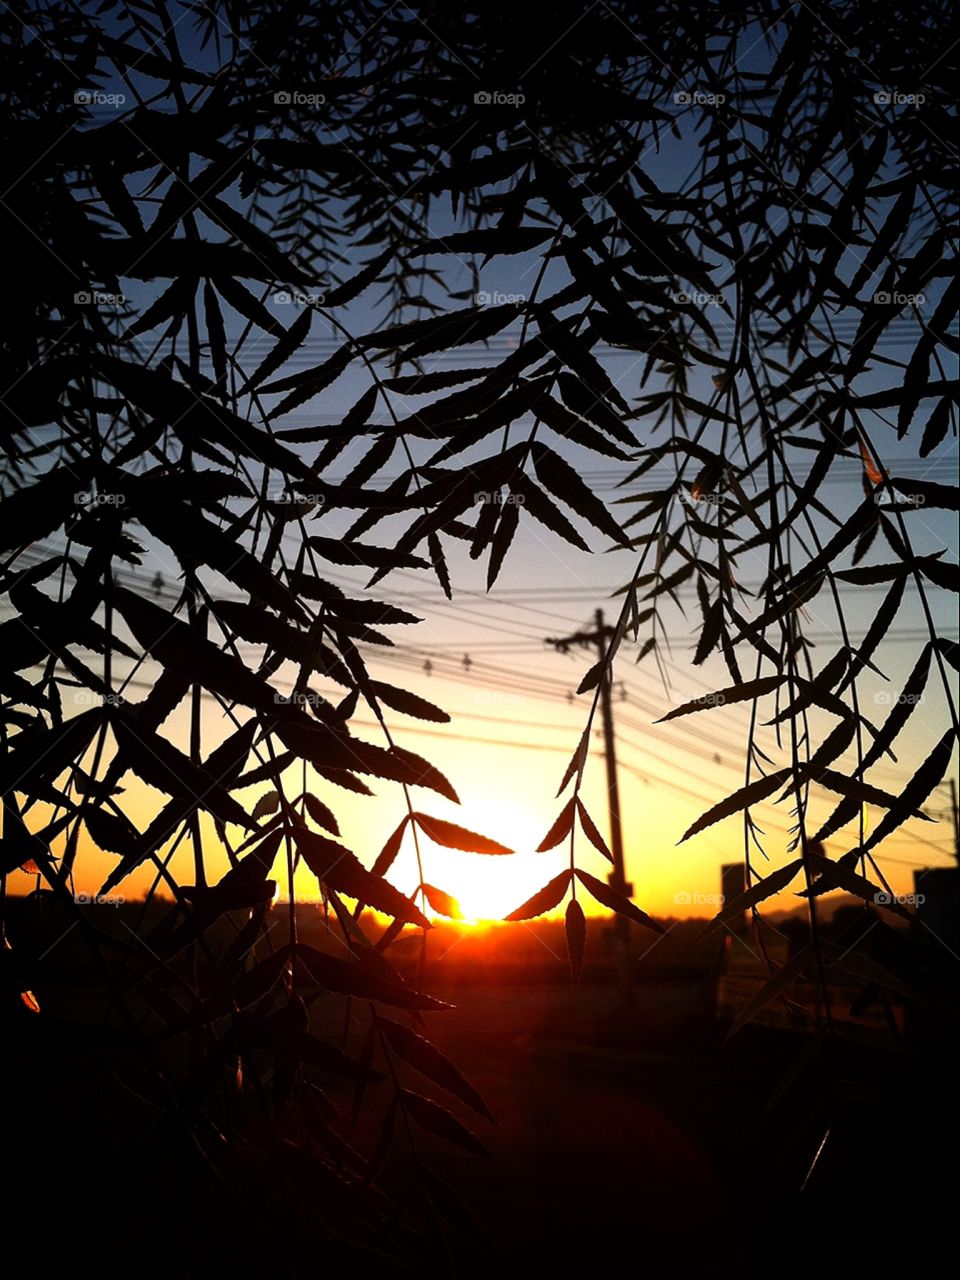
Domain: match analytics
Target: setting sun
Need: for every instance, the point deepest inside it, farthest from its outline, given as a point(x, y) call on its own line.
point(485, 888)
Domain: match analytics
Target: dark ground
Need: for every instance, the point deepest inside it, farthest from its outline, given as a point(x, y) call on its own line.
point(643, 1143)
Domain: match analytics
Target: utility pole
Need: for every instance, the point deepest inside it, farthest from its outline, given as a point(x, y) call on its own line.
point(600, 637)
point(955, 812)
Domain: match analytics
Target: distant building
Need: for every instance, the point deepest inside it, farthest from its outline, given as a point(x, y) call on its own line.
point(937, 892)
point(733, 884)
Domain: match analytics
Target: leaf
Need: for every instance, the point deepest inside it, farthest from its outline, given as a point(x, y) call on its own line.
point(592, 678)
point(282, 350)
point(350, 289)
point(388, 853)
point(410, 704)
point(449, 1205)
point(503, 536)
point(537, 504)
point(840, 876)
point(870, 469)
point(159, 763)
point(783, 978)
point(575, 927)
point(36, 755)
point(30, 1000)
point(576, 762)
point(336, 866)
point(268, 803)
point(724, 697)
point(383, 1143)
point(615, 901)
point(110, 832)
point(918, 789)
point(350, 979)
point(758, 892)
point(752, 793)
point(560, 478)
point(284, 1038)
point(544, 899)
point(430, 1062)
point(320, 813)
point(250, 307)
point(439, 1121)
point(560, 828)
point(443, 903)
point(935, 430)
point(591, 831)
point(174, 301)
point(455, 837)
point(340, 551)
point(176, 644)
point(856, 789)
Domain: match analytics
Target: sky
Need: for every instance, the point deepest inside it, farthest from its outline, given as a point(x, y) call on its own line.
point(485, 658)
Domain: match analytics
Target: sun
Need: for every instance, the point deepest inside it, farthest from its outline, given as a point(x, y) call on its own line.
point(488, 888)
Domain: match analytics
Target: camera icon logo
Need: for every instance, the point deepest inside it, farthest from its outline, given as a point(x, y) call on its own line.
point(282, 98)
point(83, 97)
point(882, 98)
point(682, 98)
point(282, 298)
point(83, 298)
point(482, 97)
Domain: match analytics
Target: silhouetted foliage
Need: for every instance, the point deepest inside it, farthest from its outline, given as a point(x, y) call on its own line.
point(349, 156)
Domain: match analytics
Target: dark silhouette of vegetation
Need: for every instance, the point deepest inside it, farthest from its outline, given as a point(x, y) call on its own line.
point(750, 193)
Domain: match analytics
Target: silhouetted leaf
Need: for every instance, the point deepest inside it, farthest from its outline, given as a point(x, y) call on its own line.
point(615, 901)
point(758, 892)
point(751, 794)
point(443, 903)
point(591, 831)
point(575, 927)
point(545, 899)
point(723, 697)
point(408, 703)
point(430, 1062)
point(455, 837)
point(561, 827)
point(335, 865)
point(439, 1121)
